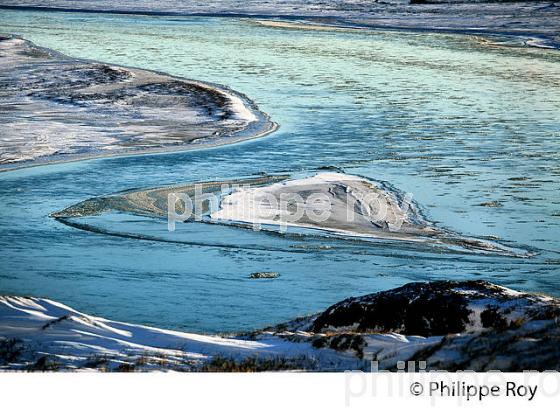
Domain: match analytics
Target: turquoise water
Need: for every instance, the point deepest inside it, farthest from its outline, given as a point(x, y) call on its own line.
point(451, 119)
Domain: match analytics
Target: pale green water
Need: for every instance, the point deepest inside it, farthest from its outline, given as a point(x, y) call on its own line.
point(452, 120)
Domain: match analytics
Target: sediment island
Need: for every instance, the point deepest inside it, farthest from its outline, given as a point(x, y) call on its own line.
point(343, 205)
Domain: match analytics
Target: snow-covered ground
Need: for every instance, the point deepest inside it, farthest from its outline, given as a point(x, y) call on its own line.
point(449, 325)
point(74, 340)
point(62, 108)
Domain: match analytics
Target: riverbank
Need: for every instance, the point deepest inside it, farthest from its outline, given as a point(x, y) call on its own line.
point(470, 325)
point(57, 109)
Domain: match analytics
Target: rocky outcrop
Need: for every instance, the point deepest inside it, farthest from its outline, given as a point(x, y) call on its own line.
point(437, 308)
point(450, 325)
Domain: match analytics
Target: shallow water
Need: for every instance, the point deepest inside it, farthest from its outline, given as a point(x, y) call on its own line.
point(453, 120)
point(535, 19)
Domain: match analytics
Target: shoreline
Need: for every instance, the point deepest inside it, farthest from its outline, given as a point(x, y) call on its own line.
point(447, 324)
point(157, 151)
point(257, 123)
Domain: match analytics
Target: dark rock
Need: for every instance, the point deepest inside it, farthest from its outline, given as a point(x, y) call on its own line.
point(436, 308)
point(264, 275)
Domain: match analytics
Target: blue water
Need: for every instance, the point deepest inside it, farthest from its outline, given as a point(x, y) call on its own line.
point(453, 120)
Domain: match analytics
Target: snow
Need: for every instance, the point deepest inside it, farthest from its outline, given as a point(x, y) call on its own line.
point(344, 205)
point(74, 113)
point(73, 339)
point(46, 331)
point(252, 205)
